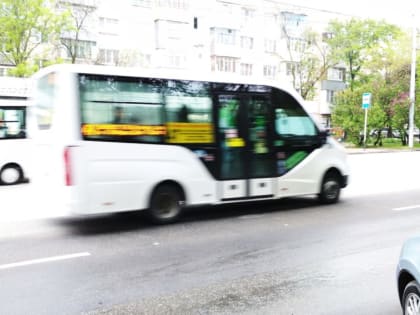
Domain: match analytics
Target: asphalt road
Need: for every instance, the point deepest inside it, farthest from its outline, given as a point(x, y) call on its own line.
point(286, 257)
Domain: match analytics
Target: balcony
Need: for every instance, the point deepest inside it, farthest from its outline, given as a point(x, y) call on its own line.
point(333, 85)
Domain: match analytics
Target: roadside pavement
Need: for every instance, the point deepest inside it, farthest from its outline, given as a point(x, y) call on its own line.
point(352, 150)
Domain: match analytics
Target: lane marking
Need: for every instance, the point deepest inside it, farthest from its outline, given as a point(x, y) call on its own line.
point(250, 216)
point(43, 260)
point(407, 208)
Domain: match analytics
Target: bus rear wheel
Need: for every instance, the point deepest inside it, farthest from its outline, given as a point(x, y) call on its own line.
point(330, 188)
point(166, 204)
point(11, 174)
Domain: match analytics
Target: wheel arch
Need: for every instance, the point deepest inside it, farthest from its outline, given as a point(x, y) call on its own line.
point(13, 165)
point(332, 171)
point(171, 182)
point(404, 278)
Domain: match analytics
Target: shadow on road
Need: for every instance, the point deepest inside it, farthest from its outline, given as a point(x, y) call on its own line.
point(134, 221)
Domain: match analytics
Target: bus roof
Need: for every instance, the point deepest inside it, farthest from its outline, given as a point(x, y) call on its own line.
point(14, 102)
point(165, 74)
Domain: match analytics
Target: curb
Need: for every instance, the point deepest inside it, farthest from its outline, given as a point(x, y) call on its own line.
point(366, 151)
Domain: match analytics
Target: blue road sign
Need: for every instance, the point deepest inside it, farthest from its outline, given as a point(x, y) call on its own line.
point(366, 98)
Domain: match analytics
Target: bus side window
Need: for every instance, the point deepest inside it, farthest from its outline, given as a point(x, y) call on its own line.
point(291, 119)
point(121, 109)
point(295, 132)
point(188, 112)
point(12, 123)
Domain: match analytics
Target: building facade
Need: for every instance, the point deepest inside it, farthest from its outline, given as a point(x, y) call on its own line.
point(236, 38)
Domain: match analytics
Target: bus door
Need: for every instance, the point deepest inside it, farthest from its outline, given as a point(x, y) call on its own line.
point(246, 158)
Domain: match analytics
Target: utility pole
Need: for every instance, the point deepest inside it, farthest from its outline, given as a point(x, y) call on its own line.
point(412, 86)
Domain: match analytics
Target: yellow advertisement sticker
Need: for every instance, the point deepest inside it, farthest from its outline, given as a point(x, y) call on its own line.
point(235, 142)
point(122, 130)
point(190, 132)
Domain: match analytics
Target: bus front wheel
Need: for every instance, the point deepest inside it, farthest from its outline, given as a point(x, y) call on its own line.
point(166, 204)
point(330, 188)
point(10, 174)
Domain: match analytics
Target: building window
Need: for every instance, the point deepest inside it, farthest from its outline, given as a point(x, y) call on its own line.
point(293, 24)
point(270, 71)
point(108, 26)
point(270, 45)
point(224, 64)
point(226, 8)
point(327, 36)
point(108, 56)
point(173, 4)
point(225, 36)
point(145, 60)
point(291, 68)
point(247, 14)
point(176, 30)
point(272, 19)
point(246, 69)
point(175, 61)
point(297, 44)
point(106, 22)
point(80, 48)
point(336, 74)
point(3, 71)
point(142, 3)
point(247, 42)
point(169, 34)
point(330, 96)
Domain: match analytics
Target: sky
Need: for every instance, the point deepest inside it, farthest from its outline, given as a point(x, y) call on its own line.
point(398, 12)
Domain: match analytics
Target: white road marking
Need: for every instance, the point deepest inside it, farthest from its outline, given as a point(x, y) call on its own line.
point(43, 260)
point(250, 216)
point(407, 208)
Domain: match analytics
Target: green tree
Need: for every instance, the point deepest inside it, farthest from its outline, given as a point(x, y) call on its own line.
point(389, 109)
point(79, 14)
point(349, 114)
point(356, 41)
point(24, 26)
point(309, 59)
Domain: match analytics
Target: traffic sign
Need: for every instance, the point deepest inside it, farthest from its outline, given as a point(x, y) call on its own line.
point(366, 99)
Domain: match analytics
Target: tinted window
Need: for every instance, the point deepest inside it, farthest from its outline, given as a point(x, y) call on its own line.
point(145, 110)
point(44, 101)
point(116, 108)
point(12, 123)
point(295, 132)
point(291, 118)
point(188, 111)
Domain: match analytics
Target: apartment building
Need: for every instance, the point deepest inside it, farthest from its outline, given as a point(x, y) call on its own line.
point(234, 38)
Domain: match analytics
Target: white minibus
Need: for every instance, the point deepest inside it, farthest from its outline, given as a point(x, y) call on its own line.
point(114, 139)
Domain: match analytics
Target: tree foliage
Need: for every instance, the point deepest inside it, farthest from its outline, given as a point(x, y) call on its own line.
point(356, 41)
point(389, 109)
point(24, 26)
point(349, 114)
point(79, 14)
point(377, 57)
point(310, 59)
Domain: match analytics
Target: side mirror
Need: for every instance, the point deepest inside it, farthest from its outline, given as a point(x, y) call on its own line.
point(323, 135)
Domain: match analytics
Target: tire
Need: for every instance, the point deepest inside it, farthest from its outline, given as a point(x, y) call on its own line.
point(166, 204)
point(330, 189)
point(11, 174)
point(411, 299)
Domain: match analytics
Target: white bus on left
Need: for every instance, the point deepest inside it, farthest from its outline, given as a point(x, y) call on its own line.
point(14, 144)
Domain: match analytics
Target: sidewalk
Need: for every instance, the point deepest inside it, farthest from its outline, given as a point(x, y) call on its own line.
point(377, 150)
